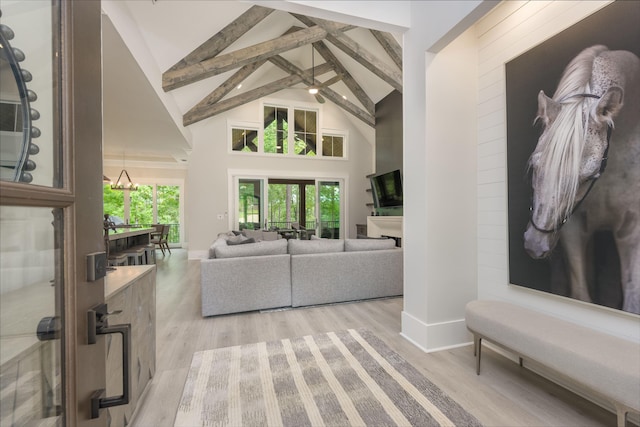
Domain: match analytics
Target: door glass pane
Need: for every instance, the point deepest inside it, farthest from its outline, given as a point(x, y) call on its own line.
point(284, 205)
point(168, 205)
point(30, 131)
point(30, 301)
point(141, 205)
point(329, 193)
point(249, 204)
point(310, 207)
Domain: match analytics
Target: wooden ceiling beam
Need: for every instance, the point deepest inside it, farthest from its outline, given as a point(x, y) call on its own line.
point(233, 81)
point(332, 95)
point(390, 45)
point(225, 37)
point(365, 58)
point(348, 106)
point(195, 116)
point(174, 79)
point(201, 112)
point(348, 79)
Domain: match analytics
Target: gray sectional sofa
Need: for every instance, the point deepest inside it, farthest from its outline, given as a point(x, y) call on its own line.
point(247, 274)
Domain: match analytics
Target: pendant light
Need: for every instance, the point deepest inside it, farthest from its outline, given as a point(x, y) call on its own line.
point(313, 90)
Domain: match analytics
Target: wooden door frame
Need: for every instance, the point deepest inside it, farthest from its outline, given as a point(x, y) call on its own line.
point(78, 91)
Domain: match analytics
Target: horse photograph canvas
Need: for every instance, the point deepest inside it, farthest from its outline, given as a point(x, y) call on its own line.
point(573, 161)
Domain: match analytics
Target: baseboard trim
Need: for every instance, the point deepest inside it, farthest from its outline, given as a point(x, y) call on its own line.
point(435, 336)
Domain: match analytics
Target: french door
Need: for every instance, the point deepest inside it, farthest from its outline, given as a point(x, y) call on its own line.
point(262, 202)
point(329, 207)
point(50, 212)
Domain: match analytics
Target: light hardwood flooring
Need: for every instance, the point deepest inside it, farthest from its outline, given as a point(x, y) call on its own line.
point(503, 395)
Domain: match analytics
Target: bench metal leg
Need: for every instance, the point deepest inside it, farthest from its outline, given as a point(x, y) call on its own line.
point(520, 361)
point(477, 351)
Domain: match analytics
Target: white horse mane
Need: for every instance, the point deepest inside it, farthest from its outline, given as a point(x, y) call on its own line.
point(561, 150)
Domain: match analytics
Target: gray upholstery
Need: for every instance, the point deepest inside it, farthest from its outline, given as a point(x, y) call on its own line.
point(246, 284)
point(260, 235)
point(604, 364)
point(345, 276)
point(273, 247)
point(315, 246)
point(351, 245)
point(271, 274)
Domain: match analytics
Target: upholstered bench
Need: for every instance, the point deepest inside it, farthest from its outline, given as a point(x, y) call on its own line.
point(606, 366)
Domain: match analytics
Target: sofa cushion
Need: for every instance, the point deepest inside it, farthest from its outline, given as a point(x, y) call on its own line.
point(320, 246)
point(220, 241)
point(276, 247)
point(353, 245)
point(260, 235)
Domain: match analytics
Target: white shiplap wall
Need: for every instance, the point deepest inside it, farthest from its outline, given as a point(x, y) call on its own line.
point(511, 29)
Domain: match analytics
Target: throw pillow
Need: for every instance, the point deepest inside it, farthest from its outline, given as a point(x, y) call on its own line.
point(256, 234)
point(243, 240)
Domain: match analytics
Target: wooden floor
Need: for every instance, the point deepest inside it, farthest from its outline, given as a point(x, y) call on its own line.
point(504, 395)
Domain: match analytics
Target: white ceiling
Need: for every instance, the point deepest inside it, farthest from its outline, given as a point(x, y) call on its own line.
point(136, 122)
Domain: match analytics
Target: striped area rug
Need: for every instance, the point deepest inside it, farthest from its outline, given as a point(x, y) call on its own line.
point(347, 378)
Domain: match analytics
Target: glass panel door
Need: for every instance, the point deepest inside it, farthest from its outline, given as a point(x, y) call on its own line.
point(250, 199)
point(50, 212)
point(329, 209)
point(29, 102)
point(30, 316)
point(168, 209)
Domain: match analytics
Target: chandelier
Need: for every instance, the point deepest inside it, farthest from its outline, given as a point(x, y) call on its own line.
point(127, 185)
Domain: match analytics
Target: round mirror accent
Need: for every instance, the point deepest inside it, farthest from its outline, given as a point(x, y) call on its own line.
point(16, 130)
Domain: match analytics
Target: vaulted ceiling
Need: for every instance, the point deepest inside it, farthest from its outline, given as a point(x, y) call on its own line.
point(208, 60)
point(216, 56)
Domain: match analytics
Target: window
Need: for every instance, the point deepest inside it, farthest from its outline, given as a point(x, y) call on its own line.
point(305, 127)
point(150, 204)
point(333, 146)
point(245, 140)
point(289, 132)
point(276, 130)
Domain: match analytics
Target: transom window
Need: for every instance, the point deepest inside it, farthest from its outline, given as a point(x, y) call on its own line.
point(287, 131)
point(305, 126)
point(333, 145)
point(276, 130)
point(245, 140)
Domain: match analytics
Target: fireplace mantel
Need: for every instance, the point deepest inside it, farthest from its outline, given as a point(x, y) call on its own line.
point(392, 226)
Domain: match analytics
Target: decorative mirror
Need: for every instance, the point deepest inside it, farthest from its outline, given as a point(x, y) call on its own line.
point(16, 114)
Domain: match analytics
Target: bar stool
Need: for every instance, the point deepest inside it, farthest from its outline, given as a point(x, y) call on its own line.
point(150, 253)
point(117, 260)
point(135, 256)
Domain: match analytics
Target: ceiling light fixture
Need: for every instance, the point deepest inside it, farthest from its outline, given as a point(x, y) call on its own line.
point(313, 89)
point(124, 186)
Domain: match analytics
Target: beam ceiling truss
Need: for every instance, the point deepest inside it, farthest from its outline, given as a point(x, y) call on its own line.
point(207, 60)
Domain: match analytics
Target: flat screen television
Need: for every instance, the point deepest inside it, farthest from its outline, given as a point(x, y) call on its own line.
point(387, 190)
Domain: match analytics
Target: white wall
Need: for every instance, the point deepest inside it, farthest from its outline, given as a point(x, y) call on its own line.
point(210, 161)
point(510, 30)
point(439, 174)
